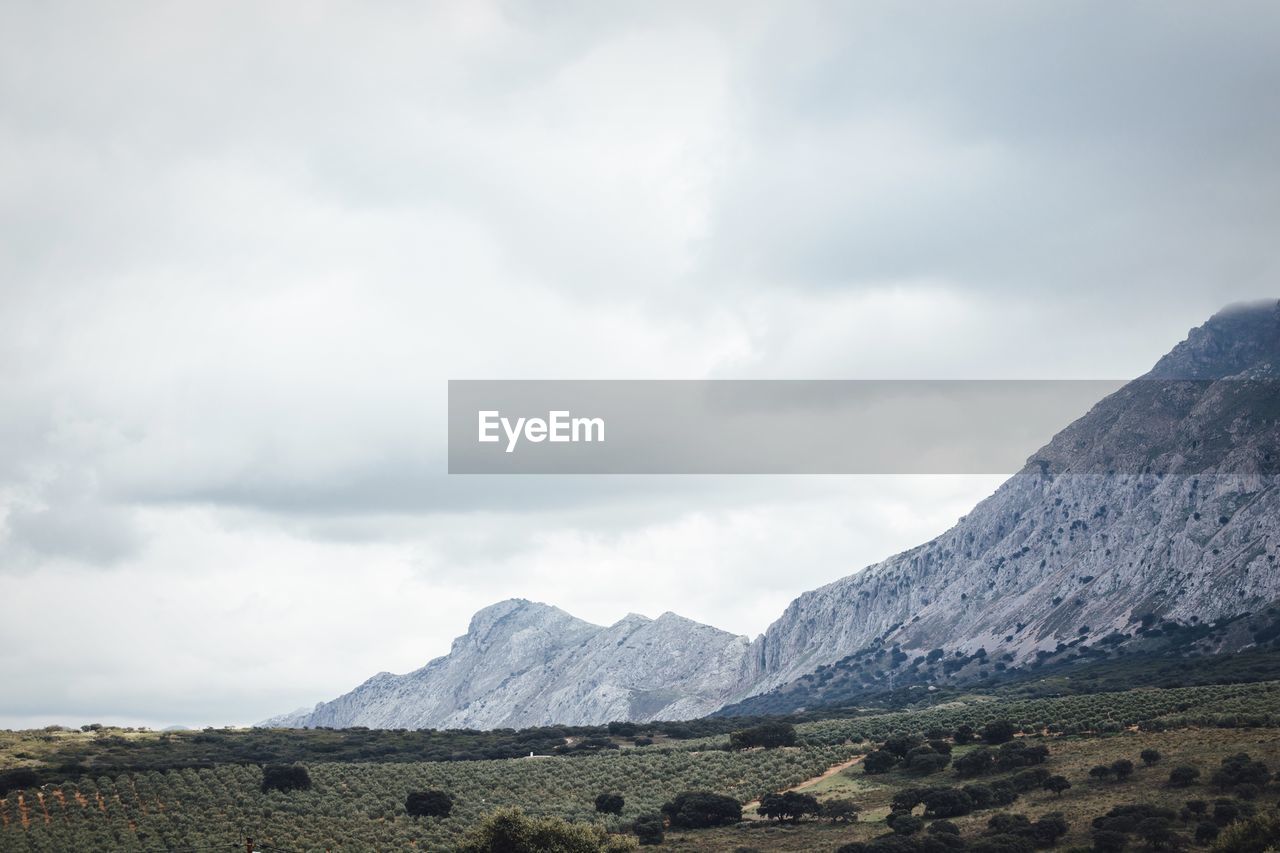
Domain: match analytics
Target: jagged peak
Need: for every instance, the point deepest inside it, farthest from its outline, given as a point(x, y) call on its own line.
point(671, 616)
point(487, 617)
point(1242, 309)
point(669, 620)
point(1241, 340)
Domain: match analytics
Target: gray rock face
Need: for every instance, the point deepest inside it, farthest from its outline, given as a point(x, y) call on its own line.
point(1161, 500)
point(527, 664)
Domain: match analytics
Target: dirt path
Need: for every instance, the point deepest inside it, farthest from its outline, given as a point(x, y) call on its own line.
point(750, 808)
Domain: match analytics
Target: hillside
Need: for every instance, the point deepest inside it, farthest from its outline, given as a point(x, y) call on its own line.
point(1160, 504)
point(1157, 507)
point(362, 804)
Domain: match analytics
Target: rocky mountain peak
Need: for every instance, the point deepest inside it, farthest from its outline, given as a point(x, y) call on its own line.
point(524, 663)
point(1160, 502)
point(1241, 341)
point(516, 610)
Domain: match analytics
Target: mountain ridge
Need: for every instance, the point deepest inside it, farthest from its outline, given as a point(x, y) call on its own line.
point(1089, 505)
point(1160, 501)
point(524, 663)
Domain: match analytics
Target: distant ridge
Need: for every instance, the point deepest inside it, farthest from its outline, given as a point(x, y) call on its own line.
point(1158, 504)
point(522, 663)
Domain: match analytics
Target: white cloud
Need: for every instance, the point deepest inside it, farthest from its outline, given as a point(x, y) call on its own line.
point(245, 245)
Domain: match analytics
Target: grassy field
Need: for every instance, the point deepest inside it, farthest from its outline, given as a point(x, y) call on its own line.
point(355, 806)
point(1071, 756)
point(360, 804)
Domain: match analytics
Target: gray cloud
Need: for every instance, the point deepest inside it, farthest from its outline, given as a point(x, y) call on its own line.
point(245, 245)
point(1115, 153)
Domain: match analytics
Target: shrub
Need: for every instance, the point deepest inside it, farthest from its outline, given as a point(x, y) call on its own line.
point(511, 831)
point(1109, 841)
point(981, 795)
point(1003, 793)
point(1042, 833)
point(767, 735)
point(998, 732)
point(1127, 818)
point(428, 804)
point(788, 806)
point(1247, 791)
point(947, 802)
point(285, 777)
point(901, 745)
point(1158, 832)
point(609, 803)
point(1253, 835)
point(1056, 784)
point(13, 780)
point(1122, 769)
point(1184, 776)
point(1206, 831)
point(1007, 824)
point(907, 799)
point(700, 809)
point(1226, 810)
point(1150, 756)
point(1048, 829)
point(878, 762)
point(976, 763)
point(904, 823)
point(1013, 755)
point(649, 828)
point(1241, 769)
point(924, 760)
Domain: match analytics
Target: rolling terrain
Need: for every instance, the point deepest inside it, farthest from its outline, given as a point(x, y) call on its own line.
point(361, 803)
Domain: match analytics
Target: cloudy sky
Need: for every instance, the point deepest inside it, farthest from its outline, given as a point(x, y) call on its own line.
point(245, 245)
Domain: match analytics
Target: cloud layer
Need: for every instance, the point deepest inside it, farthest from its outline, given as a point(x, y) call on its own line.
point(245, 245)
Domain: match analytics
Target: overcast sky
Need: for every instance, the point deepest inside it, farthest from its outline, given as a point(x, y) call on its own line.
point(243, 247)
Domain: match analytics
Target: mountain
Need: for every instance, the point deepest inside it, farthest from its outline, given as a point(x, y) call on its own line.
point(1158, 506)
point(1160, 503)
point(522, 663)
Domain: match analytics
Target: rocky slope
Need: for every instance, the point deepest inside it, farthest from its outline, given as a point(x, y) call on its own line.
point(526, 664)
point(1161, 500)
point(1160, 503)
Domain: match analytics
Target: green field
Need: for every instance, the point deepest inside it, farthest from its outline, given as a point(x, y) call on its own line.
point(355, 805)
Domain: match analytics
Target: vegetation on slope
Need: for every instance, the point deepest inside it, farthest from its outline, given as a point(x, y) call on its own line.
point(1008, 774)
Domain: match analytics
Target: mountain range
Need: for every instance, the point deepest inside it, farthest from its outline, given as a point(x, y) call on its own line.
point(1159, 505)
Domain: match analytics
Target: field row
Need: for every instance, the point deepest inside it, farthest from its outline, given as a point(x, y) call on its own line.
point(1226, 706)
point(362, 805)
